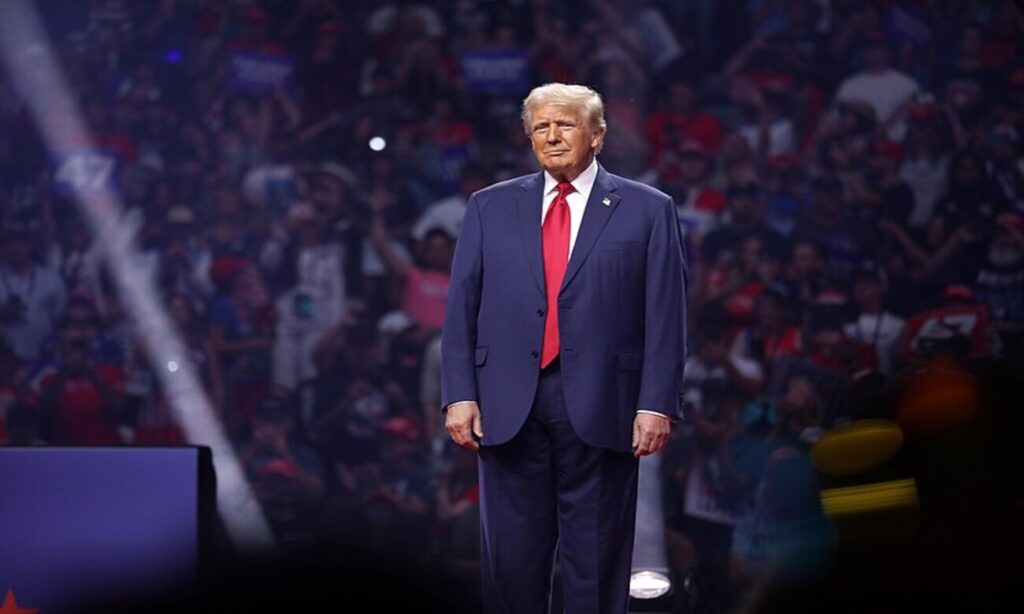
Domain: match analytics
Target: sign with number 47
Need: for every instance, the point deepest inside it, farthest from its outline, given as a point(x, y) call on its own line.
point(85, 172)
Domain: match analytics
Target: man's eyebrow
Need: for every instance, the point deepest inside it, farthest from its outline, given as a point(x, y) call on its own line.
point(560, 121)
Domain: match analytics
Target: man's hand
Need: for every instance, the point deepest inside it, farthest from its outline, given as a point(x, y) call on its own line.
point(650, 434)
point(463, 425)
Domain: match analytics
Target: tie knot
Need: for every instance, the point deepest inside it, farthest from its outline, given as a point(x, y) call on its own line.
point(565, 188)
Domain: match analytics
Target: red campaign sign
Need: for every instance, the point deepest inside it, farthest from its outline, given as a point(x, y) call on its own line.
point(943, 323)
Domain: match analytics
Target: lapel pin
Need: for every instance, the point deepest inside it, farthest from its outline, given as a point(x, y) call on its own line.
point(607, 202)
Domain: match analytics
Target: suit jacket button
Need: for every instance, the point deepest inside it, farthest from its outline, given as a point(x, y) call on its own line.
point(533, 353)
point(540, 312)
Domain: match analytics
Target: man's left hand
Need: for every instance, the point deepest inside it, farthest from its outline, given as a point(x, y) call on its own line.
point(650, 434)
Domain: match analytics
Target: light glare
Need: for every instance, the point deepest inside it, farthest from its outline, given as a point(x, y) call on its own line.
point(648, 585)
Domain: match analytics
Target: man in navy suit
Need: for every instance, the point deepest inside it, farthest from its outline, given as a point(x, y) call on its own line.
point(562, 353)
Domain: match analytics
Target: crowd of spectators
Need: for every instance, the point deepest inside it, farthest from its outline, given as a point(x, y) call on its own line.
point(849, 177)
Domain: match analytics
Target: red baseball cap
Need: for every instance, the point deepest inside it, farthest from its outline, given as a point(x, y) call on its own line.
point(279, 466)
point(786, 160)
point(889, 149)
point(401, 427)
point(959, 292)
point(225, 267)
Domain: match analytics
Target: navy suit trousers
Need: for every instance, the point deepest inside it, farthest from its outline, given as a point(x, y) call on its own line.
point(544, 492)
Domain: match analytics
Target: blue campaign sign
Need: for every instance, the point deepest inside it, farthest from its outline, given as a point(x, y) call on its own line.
point(453, 159)
point(905, 23)
point(257, 72)
point(496, 71)
point(85, 172)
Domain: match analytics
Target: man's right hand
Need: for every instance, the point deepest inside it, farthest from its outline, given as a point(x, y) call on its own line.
point(462, 422)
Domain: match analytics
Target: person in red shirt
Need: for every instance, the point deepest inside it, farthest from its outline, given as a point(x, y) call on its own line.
point(81, 403)
point(13, 390)
point(680, 116)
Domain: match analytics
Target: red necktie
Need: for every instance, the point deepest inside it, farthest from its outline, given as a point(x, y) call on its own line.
point(555, 237)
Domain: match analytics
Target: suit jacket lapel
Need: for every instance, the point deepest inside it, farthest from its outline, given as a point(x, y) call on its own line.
point(600, 205)
point(529, 199)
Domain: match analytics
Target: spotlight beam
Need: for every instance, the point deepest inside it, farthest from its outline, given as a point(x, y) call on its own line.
point(651, 577)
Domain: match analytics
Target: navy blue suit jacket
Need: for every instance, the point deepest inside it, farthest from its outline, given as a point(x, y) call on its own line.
point(621, 309)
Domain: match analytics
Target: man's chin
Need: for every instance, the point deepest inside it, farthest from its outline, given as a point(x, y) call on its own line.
point(557, 166)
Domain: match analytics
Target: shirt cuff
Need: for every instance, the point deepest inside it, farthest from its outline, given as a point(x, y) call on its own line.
point(453, 404)
point(655, 413)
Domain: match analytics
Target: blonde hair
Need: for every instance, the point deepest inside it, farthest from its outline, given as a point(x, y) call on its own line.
point(562, 94)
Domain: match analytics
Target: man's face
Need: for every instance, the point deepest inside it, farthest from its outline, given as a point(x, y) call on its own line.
point(563, 140)
point(681, 97)
point(806, 261)
point(768, 313)
point(744, 204)
point(881, 164)
point(229, 209)
point(271, 433)
point(308, 232)
point(328, 195)
point(867, 292)
point(876, 57)
point(693, 166)
point(437, 252)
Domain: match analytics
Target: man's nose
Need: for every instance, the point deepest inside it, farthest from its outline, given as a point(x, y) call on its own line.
point(554, 134)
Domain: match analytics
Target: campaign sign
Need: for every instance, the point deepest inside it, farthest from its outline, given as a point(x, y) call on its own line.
point(496, 71)
point(904, 23)
point(256, 72)
point(85, 172)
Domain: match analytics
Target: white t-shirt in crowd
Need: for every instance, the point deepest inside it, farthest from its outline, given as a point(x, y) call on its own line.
point(928, 181)
point(42, 295)
point(880, 330)
point(781, 135)
point(317, 300)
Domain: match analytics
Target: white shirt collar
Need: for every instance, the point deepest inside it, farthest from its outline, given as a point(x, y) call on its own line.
point(583, 184)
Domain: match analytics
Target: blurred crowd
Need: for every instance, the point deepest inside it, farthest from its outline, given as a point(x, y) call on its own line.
point(849, 178)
